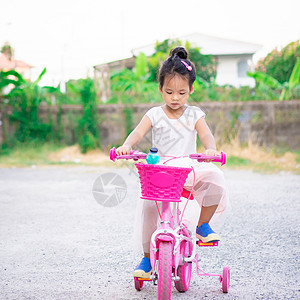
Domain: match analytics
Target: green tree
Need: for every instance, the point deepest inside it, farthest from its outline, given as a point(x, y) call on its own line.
point(7, 50)
point(280, 63)
point(88, 132)
point(134, 86)
point(287, 89)
point(25, 99)
point(205, 64)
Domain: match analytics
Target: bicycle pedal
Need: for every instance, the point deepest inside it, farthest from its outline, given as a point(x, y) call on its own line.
point(210, 244)
point(143, 279)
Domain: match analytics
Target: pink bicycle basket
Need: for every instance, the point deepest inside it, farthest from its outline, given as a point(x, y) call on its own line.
point(162, 183)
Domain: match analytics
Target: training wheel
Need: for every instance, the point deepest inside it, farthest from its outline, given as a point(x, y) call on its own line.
point(138, 284)
point(225, 279)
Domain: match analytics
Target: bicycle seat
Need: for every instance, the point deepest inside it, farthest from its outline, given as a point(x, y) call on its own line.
point(186, 194)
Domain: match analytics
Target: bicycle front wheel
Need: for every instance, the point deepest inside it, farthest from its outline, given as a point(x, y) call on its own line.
point(165, 271)
point(184, 271)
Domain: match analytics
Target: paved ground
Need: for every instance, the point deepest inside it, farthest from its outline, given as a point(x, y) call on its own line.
point(57, 242)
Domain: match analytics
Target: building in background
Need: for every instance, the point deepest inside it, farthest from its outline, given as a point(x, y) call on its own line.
point(234, 59)
point(8, 63)
point(20, 66)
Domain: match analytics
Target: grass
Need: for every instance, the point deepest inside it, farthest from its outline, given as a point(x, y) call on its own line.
point(250, 157)
point(50, 154)
point(28, 154)
point(236, 161)
point(260, 159)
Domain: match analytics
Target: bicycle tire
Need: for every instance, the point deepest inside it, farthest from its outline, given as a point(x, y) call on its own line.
point(226, 279)
point(165, 271)
point(184, 271)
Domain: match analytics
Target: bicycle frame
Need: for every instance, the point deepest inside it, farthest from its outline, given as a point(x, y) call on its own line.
point(167, 233)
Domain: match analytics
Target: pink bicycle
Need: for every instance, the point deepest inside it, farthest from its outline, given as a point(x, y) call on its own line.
point(172, 248)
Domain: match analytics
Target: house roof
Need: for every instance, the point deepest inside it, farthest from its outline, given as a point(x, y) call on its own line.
point(13, 64)
point(117, 64)
point(209, 45)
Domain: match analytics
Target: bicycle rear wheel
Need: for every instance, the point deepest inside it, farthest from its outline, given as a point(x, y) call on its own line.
point(184, 271)
point(165, 271)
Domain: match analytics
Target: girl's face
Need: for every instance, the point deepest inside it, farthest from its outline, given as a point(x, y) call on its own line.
point(175, 91)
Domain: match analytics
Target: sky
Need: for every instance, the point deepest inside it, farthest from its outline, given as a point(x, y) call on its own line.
point(70, 37)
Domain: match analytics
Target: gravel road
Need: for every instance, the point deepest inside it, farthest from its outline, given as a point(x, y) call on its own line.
point(58, 242)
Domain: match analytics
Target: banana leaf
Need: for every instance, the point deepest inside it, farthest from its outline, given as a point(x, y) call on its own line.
point(4, 74)
point(295, 76)
point(285, 95)
point(39, 78)
point(4, 82)
point(50, 89)
point(266, 79)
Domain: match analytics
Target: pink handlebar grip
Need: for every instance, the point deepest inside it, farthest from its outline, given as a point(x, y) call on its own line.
point(223, 158)
point(202, 157)
point(135, 155)
point(113, 154)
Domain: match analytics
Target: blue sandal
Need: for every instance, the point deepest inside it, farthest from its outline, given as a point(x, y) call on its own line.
point(206, 234)
point(143, 270)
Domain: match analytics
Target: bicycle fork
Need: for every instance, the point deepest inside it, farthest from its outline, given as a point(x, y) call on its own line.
point(166, 233)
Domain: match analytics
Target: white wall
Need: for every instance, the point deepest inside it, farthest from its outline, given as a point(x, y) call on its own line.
point(228, 70)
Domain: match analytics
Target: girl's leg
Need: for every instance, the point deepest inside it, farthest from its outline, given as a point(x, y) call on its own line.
point(149, 225)
point(210, 193)
point(206, 214)
point(209, 190)
point(150, 218)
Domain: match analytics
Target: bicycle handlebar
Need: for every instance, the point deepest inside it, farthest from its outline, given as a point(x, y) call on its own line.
point(202, 157)
point(136, 155)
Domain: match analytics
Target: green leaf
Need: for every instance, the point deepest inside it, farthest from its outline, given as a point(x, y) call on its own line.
point(266, 79)
point(285, 95)
point(295, 76)
point(201, 83)
point(72, 88)
point(50, 89)
point(4, 82)
point(141, 66)
point(12, 73)
point(39, 78)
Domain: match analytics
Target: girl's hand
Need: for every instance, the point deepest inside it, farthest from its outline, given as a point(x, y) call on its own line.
point(123, 150)
point(210, 152)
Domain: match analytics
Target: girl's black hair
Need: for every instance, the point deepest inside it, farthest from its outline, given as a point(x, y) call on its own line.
point(177, 63)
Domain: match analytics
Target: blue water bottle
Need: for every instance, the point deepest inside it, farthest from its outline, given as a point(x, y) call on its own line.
point(153, 157)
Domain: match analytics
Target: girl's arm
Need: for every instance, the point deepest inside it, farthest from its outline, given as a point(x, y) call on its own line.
point(135, 136)
point(206, 137)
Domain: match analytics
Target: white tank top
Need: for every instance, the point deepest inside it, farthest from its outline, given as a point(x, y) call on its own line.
point(174, 137)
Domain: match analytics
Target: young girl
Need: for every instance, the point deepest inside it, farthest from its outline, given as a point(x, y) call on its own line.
point(174, 131)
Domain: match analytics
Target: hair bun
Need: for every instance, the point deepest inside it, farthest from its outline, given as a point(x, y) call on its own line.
point(180, 52)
